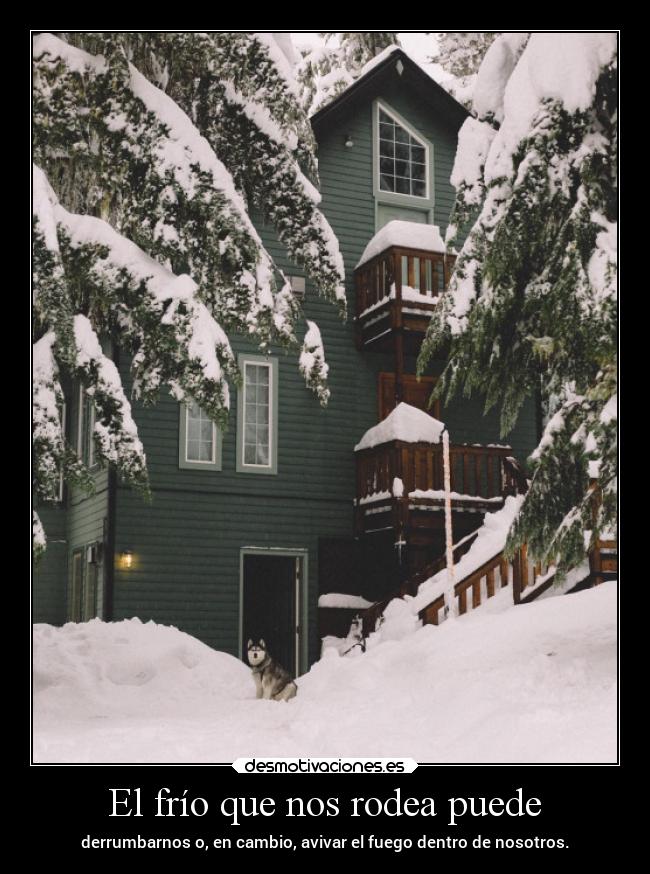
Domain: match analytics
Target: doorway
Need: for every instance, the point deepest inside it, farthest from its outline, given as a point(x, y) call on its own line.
point(270, 604)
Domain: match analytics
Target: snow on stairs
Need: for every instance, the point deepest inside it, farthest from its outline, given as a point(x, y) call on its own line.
point(528, 580)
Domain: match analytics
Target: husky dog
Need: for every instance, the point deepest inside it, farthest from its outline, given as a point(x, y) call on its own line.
point(271, 680)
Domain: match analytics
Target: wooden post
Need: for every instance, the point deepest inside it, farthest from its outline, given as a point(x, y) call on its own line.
point(398, 328)
point(516, 577)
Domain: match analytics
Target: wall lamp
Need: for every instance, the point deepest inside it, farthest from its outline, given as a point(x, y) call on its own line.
point(349, 142)
point(126, 558)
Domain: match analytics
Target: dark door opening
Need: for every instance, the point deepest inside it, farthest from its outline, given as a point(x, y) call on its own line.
point(269, 605)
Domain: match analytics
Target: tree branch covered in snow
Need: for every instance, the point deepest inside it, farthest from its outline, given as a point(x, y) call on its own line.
point(144, 233)
point(326, 71)
point(532, 302)
point(312, 363)
point(461, 54)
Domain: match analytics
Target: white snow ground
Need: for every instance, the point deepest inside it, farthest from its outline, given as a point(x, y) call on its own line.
point(533, 683)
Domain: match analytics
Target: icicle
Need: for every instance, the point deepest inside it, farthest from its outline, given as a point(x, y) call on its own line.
point(449, 594)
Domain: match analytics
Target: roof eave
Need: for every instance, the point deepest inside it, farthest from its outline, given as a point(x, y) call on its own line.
point(353, 91)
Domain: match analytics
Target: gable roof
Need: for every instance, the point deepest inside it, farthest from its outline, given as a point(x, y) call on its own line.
point(380, 69)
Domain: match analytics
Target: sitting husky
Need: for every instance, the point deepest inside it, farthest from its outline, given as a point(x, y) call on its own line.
point(271, 680)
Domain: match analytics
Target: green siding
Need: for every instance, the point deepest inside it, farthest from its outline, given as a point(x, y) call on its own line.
point(49, 579)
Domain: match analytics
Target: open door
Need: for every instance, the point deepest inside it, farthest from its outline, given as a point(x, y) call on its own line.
point(270, 606)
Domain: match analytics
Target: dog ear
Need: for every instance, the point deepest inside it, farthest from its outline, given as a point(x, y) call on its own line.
point(262, 644)
point(249, 644)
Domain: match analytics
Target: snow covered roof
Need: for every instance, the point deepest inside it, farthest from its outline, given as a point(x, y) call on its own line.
point(405, 423)
point(410, 235)
point(412, 73)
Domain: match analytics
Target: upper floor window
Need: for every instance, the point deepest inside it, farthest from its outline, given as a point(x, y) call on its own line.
point(86, 428)
point(257, 415)
point(199, 443)
point(403, 158)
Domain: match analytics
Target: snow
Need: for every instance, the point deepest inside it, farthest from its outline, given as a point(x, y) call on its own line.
point(97, 670)
point(76, 59)
point(412, 235)
point(562, 67)
point(260, 116)
point(280, 49)
point(532, 683)
point(166, 289)
point(378, 59)
point(89, 357)
point(604, 261)
point(312, 362)
point(490, 541)
point(405, 423)
point(474, 141)
point(455, 496)
point(496, 69)
point(349, 602)
point(609, 413)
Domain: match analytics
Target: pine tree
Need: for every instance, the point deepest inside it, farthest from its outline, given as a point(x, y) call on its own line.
point(461, 54)
point(327, 70)
point(532, 302)
point(150, 149)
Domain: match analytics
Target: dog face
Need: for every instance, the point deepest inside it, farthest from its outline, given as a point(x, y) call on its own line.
point(256, 652)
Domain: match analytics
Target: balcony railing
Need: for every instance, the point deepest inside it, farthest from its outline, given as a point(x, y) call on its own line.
point(398, 290)
point(478, 473)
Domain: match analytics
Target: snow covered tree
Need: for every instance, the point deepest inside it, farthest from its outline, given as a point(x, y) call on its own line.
point(150, 149)
point(327, 70)
point(461, 55)
point(532, 305)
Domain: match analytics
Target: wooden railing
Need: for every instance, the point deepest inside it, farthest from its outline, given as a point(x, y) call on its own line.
point(399, 268)
point(489, 578)
point(473, 589)
point(478, 471)
point(411, 585)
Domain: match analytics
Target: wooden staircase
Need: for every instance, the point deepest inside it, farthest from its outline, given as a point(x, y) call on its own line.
point(527, 578)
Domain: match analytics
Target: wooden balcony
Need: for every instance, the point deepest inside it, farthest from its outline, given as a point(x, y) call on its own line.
point(400, 487)
point(397, 291)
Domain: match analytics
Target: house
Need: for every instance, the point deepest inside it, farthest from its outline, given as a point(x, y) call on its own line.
point(247, 528)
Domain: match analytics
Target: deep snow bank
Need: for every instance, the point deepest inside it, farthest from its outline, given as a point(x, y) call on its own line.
point(96, 669)
point(533, 683)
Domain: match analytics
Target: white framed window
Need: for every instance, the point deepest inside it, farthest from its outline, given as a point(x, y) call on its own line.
point(257, 416)
point(403, 157)
point(199, 443)
point(85, 428)
point(62, 415)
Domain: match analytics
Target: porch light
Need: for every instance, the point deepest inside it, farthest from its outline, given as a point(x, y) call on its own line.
point(349, 142)
point(127, 558)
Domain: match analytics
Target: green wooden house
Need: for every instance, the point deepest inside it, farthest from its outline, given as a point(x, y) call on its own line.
point(249, 527)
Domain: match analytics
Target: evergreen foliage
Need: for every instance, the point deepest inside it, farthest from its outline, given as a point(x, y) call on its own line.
point(150, 151)
point(532, 305)
point(326, 71)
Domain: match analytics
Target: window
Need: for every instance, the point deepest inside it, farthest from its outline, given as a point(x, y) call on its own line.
point(84, 592)
point(86, 420)
point(402, 159)
point(199, 444)
point(62, 418)
point(257, 415)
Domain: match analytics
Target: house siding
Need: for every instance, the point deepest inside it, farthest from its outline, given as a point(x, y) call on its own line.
point(50, 573)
